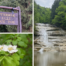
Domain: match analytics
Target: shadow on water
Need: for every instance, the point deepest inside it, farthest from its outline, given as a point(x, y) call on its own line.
point(50, 59)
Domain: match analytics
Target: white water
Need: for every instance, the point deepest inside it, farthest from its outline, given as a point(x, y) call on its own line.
point(55, 39)
point(50, 36)
point(41, 50)
point(44, 37)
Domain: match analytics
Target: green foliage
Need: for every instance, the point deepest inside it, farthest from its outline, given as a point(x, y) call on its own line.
point(29, 23)
point(24, 46)
point(60, 18)
point(30, 7)
point(54, 6)
point(41, 14)
point(56, 15)
point(3, 28)
point(24, 5)
point(7, 59)
point(10, 60)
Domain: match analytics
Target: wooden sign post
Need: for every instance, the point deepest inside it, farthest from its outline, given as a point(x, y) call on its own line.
point(9, 18)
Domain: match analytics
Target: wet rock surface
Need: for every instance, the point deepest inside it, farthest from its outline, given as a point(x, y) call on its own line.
point(49, 35)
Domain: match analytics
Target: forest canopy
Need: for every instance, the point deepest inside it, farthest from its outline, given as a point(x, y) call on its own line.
point(55, 15)
point(42, 14)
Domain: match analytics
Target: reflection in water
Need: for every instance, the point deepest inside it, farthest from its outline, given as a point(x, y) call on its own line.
point(50, 59)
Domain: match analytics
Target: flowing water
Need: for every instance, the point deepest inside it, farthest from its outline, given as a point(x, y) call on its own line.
point(53, 39)
point(50, 36)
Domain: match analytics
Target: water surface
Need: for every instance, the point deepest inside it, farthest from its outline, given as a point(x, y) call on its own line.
point(50, 59)
point(50, 37)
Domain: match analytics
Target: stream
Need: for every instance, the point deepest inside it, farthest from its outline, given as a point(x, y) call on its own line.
point(49, 46)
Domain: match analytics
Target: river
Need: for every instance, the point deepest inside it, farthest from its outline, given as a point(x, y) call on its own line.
point(50, 59)
point(49, 46)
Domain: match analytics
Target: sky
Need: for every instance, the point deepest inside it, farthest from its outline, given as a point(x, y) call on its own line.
point(45, 3)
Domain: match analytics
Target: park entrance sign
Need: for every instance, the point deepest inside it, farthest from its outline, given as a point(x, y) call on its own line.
point(7, 18)
point(11, 18)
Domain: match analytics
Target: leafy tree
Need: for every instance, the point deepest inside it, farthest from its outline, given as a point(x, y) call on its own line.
point(56, 15)
point(60, 18)
point(41, 14)
point(54, 6)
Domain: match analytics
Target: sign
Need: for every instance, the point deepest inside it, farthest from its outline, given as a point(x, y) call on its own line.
point(7, 18)
point(10, 18)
